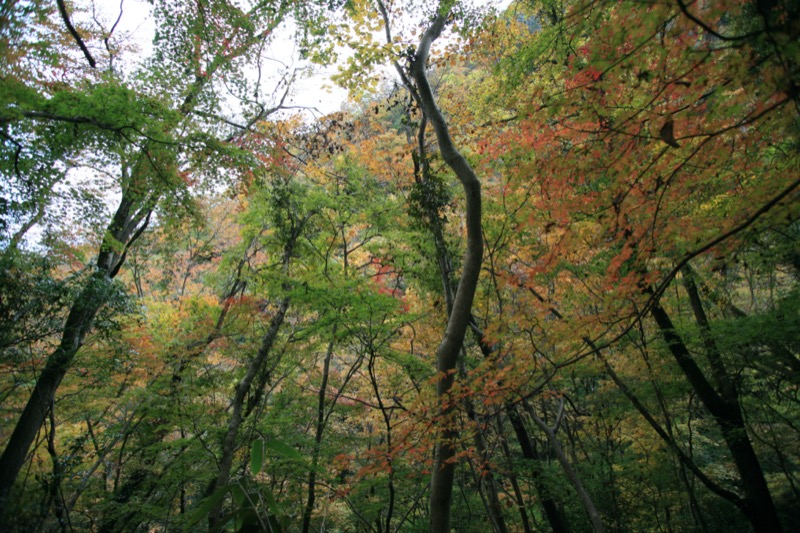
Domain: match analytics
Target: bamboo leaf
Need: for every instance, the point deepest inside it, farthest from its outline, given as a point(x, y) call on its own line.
point(206, 506)
point(282, 449)
point(256, 456)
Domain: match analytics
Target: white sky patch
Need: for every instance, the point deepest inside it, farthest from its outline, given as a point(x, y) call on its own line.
point(314, 94)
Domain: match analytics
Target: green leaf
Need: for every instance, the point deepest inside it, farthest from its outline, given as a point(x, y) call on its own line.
point(272, 504)
point(239, 495)
point(206, 506)
point(283, 449)
point(256, 456)
point(247, 520)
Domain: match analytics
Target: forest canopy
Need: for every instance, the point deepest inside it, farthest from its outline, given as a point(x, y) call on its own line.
point(540, 272)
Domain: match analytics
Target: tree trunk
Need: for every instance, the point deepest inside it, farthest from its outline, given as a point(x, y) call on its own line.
point(254, 369)
point(682, 456)
point(523, 513)
point(551, 510)
point(572, 475)
point(95, 294)
point(450, 347)
point(320, 428)
point(387, 422)
point(242, 388)
point(757, 502)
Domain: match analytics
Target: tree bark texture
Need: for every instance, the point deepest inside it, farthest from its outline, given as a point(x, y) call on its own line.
point(448, 351)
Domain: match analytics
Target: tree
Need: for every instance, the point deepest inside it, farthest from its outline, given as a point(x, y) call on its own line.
point(290, 345)
point(147, 160)
point(618, 224)
point(448, 352)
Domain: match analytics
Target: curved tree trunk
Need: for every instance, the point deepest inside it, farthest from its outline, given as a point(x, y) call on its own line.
point(448, 351)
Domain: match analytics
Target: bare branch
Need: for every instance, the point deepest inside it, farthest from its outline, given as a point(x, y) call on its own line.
point(65, 17)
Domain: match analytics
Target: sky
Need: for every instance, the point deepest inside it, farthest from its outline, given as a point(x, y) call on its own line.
point(314, 92)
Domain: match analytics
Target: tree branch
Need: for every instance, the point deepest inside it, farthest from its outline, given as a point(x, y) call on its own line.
point(65, 17)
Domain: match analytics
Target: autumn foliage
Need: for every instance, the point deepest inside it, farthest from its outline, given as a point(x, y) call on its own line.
point(242, 306)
